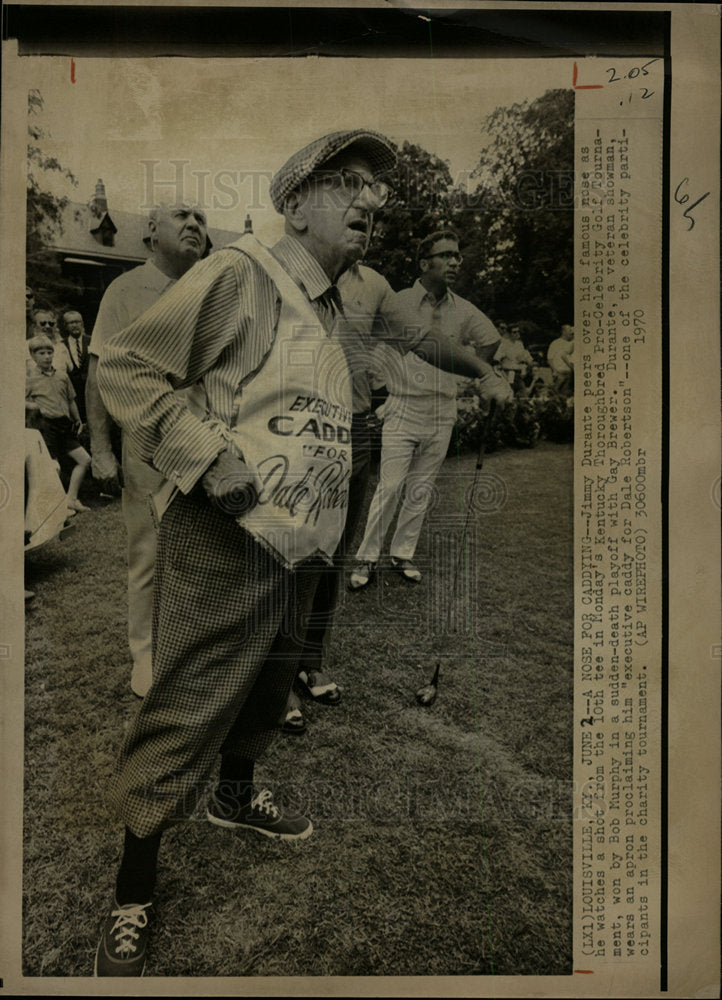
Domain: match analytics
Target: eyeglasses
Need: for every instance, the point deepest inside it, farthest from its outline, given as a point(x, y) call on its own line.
point(46, 322)
point(353, 183)
point(447, 255)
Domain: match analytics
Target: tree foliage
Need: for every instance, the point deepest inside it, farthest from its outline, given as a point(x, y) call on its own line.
point(515, 225)
point(44, 220)
point(420, 205)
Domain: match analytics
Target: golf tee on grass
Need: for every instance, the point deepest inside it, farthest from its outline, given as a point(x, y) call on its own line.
point(427, 695)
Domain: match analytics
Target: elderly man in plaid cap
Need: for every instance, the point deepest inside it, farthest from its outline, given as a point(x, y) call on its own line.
point(258, 461)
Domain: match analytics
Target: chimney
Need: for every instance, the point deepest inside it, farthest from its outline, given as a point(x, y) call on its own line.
point(99, 204)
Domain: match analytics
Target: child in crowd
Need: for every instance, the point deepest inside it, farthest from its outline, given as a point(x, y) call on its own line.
point(50, 407)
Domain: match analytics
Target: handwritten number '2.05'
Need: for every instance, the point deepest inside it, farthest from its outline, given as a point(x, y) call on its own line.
point(682, 199)
point(632, 74)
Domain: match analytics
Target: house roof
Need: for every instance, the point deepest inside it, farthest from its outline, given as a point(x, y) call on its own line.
point(76, 238)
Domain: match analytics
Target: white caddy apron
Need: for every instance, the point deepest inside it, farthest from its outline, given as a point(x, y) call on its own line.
point(293, 430)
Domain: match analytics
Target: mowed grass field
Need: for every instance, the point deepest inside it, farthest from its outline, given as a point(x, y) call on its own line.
point(443, 835)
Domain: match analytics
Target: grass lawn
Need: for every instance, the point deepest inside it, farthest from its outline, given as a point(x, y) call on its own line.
point(443, 835)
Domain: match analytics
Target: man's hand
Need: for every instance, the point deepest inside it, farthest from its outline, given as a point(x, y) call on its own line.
point(374, 423)
point(106, 472)
point(230, 485)
point(493, 385)
point(104, 467)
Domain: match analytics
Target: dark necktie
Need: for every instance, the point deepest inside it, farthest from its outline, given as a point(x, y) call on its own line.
point(74, 346)
point(329, 307)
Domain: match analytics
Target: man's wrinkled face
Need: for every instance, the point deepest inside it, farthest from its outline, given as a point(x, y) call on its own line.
point(338, 210)
point(179, 231)
point(441, 264)
point(74, 324)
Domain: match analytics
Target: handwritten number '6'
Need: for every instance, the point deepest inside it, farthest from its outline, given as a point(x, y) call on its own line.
point(684, 198)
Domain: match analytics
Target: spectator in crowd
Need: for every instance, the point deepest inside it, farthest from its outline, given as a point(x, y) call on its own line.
point(44, 323)
point(234, 525)
point(514, 360)
point(560, 358)
point(51, 408)
point(178, 238)
point(76, 343)
point(29, 307)
point(46, 510)
point(420, 411)
point(372, 314)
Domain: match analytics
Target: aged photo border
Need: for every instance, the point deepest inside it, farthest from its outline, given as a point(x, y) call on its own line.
point(676, 417)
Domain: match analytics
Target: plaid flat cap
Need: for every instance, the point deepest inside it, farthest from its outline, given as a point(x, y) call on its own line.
point(376, 148)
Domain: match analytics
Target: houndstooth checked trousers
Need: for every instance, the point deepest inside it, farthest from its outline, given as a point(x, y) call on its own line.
point(228, 622)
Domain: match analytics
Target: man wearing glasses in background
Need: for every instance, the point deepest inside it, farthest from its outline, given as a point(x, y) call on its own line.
point(420, 411)
point(373, 314)
point(44, 322)
point(76, 342)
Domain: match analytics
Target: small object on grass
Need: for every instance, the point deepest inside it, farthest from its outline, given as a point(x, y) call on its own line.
point(427, 695)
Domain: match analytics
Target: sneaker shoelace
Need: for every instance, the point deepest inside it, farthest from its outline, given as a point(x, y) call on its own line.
point(129, 919)
point(263, 802)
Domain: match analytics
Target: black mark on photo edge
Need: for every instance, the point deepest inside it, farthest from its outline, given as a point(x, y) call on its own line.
point(664, 749)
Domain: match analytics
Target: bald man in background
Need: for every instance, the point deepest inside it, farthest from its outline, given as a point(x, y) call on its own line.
point(179, 238)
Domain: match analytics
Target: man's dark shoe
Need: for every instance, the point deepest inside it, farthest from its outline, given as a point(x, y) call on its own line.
point(407, 569)
point(123, 946)
point(317, 686)
point(293, 722)
point(262, 815)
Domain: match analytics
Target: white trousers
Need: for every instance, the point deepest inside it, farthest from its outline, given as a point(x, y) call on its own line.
point(412, 452)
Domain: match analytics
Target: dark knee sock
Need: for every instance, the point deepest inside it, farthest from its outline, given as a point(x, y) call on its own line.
point(136, 878)
point(235, 781)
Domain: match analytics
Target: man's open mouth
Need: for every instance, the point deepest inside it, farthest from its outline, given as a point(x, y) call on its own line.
point(359, 226)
